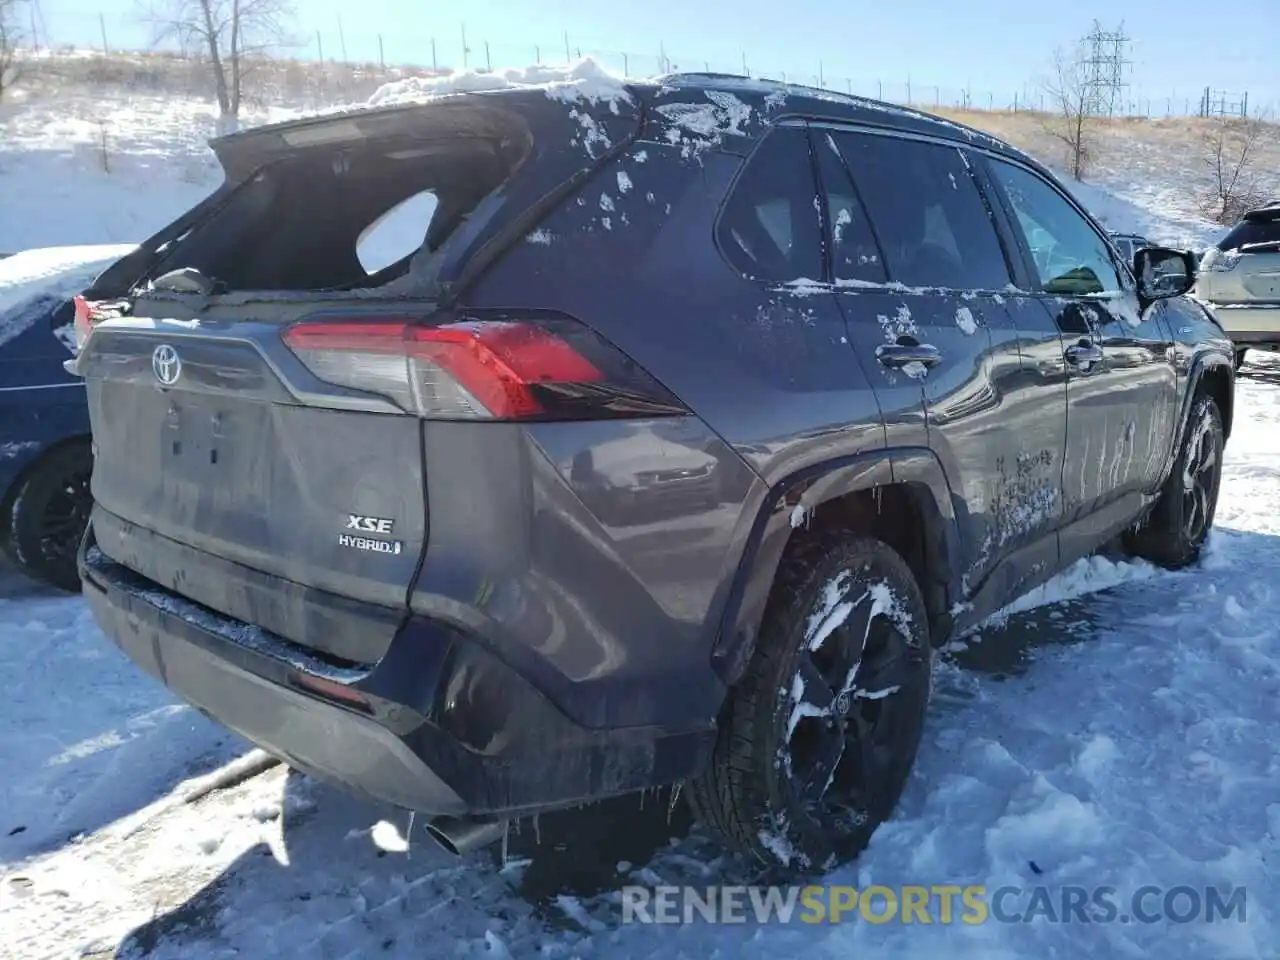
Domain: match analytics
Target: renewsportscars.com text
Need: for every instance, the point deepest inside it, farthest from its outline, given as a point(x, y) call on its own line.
point(937, 903)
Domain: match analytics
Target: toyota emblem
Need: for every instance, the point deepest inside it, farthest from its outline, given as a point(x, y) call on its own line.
point(166, 364)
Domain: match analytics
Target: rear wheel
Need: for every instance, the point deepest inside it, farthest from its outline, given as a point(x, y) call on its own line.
point(818, 738)
point(48, 516)
point(1178, 526)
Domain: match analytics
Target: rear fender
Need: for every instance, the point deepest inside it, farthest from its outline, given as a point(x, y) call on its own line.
point(792, 502)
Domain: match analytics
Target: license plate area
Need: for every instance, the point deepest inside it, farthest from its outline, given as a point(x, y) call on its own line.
point(200, 439)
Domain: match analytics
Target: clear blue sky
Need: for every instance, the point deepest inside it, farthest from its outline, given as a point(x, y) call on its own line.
point(993, 47)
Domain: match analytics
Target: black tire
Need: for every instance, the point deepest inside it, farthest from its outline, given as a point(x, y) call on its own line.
point(1175, 530)
point(1240, 352)
point(752, 793)
point(48, 515)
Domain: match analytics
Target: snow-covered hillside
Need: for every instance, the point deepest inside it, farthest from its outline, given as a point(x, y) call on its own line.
point(101, 170)
point(79, 165)
point(1118, 728)
point(1145, 176)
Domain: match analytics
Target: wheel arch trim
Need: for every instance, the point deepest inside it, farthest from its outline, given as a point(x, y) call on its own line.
point(807, 489)
point(1202, 363)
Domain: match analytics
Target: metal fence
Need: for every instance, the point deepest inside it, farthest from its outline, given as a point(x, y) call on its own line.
point(375, 55)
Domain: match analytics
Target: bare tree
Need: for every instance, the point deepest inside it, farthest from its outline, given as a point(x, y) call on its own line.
point(233, 34)
point(1072, 102)
point(10, 37)
point(1230, 146)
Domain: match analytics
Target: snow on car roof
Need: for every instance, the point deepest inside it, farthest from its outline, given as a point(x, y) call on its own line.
point(583, 79)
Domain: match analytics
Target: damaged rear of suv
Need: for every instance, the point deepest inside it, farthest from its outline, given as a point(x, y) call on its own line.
point(333, 504)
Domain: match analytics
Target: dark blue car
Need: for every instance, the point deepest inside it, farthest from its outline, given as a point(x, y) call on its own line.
point(45, 449)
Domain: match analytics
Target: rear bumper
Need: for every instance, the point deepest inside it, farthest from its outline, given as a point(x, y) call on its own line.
point(439, 725)
point(1249, 324)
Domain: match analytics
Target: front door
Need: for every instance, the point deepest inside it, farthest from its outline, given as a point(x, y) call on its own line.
point(1121, 381)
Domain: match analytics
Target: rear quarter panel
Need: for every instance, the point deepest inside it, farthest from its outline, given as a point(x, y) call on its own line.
point(633, 584)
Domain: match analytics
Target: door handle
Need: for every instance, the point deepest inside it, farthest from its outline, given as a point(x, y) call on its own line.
point(1084, 354)
point(898, 355)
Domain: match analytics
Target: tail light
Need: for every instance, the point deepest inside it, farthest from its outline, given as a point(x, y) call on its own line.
point(1217, 261)
point(83, 321)
point(89, 313)
point(480, 369)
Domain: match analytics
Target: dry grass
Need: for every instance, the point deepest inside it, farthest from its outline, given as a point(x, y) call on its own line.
point(303, 84)
point(1027, 130)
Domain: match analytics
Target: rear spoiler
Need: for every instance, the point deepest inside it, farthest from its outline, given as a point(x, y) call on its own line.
point(1265, 246)
point(1268, 214)
point(474, 114)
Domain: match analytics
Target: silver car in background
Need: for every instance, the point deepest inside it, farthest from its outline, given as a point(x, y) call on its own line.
point(1240, 281)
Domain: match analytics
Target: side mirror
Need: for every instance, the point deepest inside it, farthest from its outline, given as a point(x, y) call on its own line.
point(1163, 273)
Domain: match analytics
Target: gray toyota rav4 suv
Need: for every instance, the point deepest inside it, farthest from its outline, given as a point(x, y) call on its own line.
point(698, 413)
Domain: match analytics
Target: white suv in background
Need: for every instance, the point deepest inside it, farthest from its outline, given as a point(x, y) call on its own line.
point(1240, 281)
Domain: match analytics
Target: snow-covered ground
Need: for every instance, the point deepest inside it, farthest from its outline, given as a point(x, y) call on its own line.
point(1117, 728)
point(83, 170)
point(1123, 732)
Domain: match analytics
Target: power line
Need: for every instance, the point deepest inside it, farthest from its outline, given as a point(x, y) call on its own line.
point(1105, 64)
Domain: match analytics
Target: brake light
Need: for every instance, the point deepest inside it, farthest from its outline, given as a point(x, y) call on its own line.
point(90, 313)
point(83, 321)
point(1218, 261)
point(499, 369)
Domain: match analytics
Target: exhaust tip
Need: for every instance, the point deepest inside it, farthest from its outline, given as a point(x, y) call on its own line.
point(461, 835)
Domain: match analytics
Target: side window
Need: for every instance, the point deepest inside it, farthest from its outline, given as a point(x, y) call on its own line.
point(934, 226)
point(854, 252)
point(769, 228)
point(1071, 257)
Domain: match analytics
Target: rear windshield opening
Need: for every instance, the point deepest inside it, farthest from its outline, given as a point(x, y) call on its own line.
point(1249, 232)
point(344, 220)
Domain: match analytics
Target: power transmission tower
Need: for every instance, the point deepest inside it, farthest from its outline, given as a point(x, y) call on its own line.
point(1105, 66)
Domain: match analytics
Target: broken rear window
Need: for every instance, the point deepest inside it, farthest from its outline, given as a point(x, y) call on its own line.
point(329, 219)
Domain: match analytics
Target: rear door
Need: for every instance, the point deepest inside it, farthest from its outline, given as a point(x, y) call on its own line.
point(1122, 385)
point(783, 326)
point(941, 327)
point(874, 316)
